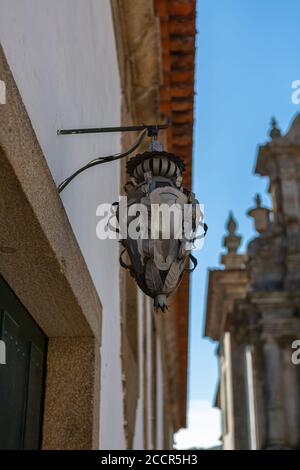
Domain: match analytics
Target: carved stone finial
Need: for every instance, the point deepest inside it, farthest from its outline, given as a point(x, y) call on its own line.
point(275, 131)
point(232, 259)
point(232, 240)
point(231, 224)
point(260, 215)
point(257, 200)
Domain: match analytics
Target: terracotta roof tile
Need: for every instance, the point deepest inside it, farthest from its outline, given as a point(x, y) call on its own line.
point(180, 117)
point(177, 26)
point(182, 61)
point(182, 76)
point(182, 8)
point(178, 43)
point(184, 26)
point(182, 90)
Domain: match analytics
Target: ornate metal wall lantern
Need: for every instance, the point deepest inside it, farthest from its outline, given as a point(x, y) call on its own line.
point(165, 215)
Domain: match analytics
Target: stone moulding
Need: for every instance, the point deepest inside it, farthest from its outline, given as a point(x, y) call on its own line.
point(45, 268)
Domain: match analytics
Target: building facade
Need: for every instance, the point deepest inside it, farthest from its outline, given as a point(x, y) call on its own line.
point(253, 310)
point(88, 363)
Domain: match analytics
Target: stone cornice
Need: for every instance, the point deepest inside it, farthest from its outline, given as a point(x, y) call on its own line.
point(139, 53)
point(224, 288)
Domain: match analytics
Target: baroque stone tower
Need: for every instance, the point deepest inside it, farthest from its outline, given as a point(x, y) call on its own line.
point(279, 160)
point(262, 323)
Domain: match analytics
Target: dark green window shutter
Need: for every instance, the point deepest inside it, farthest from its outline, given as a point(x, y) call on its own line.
point(22, 377)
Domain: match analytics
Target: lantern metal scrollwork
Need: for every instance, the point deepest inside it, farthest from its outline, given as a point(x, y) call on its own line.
point(159, 253)
point(159, 257)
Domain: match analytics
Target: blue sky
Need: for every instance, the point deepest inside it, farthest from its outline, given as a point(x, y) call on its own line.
point(248, 54)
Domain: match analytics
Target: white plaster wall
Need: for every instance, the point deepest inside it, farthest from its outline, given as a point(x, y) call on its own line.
point(145, 409)
point(159, 398)
point(63, 57)
point(149, 372)
point(228, 439)
point(138, 440)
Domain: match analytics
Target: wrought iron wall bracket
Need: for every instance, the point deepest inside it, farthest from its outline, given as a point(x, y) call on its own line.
point(152, 129)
